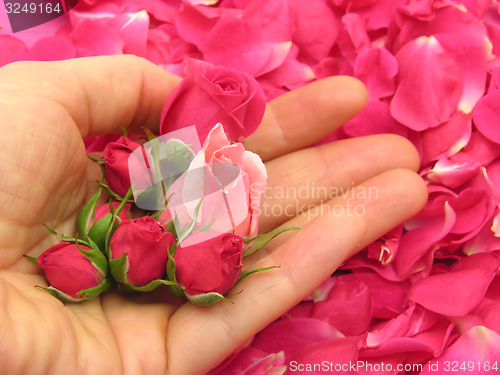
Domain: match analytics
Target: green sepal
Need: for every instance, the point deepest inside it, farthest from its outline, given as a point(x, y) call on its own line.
point(91, 293)
point(99, 232)
point(124, 131)
point(100, 162)
point(206, 299)
point(186, 231)
point(171, 227)
point(83, 295)
point(111, 193)
point(31, 259)
point(149, 134)
point(119, 269)
point(97, 258)
point(176, 289)
point(63, 297)
point(153, 285)
point(112, 224)
point(84, 215)
point(64, 238)
point(263, 239)
point(249, 272)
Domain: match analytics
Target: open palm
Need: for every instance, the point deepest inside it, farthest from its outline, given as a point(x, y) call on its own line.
point(46, 109)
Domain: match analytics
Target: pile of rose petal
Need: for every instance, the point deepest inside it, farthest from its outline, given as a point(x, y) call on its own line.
point(428, 291)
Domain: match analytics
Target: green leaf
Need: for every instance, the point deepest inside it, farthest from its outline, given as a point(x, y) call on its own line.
point(263, 239)
point(31, 259)
point(124, 131)
point(249, 272)
point(189, 228)
point(84, 215)
point(206, 299)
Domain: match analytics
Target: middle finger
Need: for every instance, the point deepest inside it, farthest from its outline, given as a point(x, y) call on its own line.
point(309, 177)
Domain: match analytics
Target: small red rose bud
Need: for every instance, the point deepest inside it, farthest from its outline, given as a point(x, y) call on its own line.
point(209, 266)
point(116, 170)
point(146, 246)
point(70, 272)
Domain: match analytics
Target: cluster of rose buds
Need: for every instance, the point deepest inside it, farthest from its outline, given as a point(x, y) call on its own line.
point(124, 242)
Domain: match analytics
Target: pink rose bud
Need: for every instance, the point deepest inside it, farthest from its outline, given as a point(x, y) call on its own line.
point(69, 271)
point(212, 265)
point(146, 244)
point(211, 94)
point(116, 169)
point(103, 210)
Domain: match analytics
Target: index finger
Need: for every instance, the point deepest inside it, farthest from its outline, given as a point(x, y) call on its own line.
point(304, 116)
point(101, 94)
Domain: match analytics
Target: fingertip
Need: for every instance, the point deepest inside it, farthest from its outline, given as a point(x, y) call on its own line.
point(347, 93)
point(405, 151)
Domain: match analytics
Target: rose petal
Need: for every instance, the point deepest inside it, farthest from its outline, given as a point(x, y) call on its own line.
point(458, 291)
point(477, 345)
point(376, 68)
point(293, 335)
point(426, 97)
point(347, 308)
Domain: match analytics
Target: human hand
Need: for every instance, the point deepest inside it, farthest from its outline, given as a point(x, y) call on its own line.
point(46, 109)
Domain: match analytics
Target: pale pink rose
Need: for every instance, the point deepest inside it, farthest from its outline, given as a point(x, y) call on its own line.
point(230, 182)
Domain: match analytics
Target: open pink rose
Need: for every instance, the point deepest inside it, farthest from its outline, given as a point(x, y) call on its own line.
point(146, 244)
point(228, 180)
point(68, 270)
point(207, 263)
point(211, 94)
